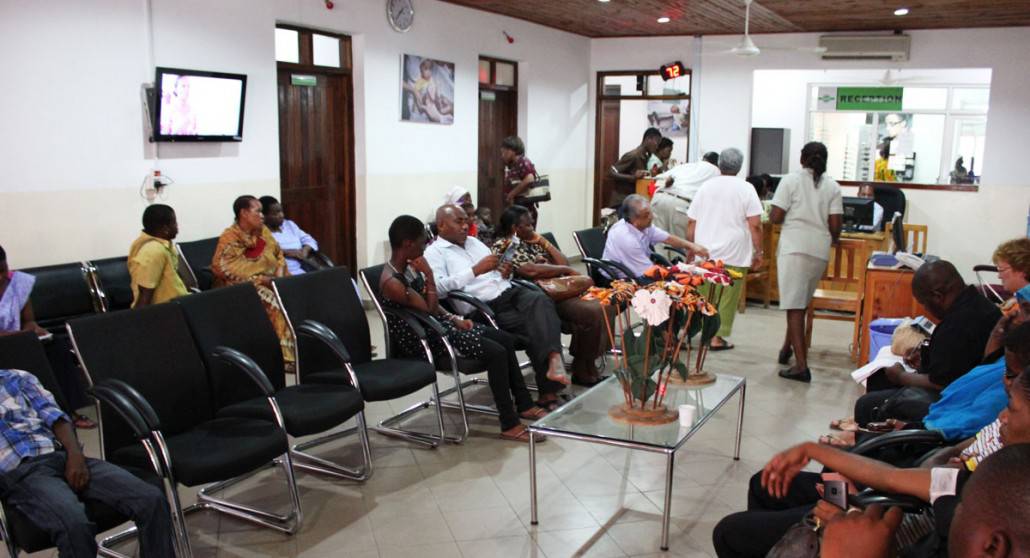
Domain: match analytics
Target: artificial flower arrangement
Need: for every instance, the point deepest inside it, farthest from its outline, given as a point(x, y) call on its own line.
point(678, 305)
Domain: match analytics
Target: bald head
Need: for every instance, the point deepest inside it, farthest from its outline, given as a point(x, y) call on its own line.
point(936, 285)
point(452, 224)
point(991, 520)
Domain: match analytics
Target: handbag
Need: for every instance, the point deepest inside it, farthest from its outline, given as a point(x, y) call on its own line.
point(539, 191)
point(564, 288)
point(800, 541)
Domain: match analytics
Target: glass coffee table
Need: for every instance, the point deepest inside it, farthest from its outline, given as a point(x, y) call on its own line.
point(585, 418)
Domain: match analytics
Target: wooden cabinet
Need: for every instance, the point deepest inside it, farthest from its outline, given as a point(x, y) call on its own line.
point(888, 294)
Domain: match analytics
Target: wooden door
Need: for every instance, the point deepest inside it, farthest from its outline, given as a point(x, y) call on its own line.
point(316, 137)
point(606, 154)
point(497, 120)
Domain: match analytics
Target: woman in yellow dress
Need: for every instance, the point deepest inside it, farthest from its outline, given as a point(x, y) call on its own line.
point(247, 252)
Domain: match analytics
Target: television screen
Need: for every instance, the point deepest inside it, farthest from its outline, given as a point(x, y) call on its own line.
point(198, 106)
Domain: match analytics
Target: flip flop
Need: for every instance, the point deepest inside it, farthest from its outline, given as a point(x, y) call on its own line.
point(523, 436)
point(846, 425)
point(834, 442)
point(725, 347)
point(535, 413)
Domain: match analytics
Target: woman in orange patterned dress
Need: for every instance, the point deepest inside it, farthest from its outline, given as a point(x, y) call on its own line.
point(247, 252)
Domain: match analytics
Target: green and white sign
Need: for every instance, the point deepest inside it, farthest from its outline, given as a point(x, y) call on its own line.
point(303, 80)
point(859, 98)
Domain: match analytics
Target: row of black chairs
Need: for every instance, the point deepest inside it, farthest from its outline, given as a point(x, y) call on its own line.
point(195, 390)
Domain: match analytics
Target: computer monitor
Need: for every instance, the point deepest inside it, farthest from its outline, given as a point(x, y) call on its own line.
point(858, 212)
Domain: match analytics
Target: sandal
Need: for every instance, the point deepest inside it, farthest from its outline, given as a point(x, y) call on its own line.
point(550, 406)
point(835, 441)
point(724, 347)
point(522, 435)
point(84, 422)
point(534, 413)
point(845, 425)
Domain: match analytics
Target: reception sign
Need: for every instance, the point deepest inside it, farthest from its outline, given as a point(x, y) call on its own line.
point(859, 98)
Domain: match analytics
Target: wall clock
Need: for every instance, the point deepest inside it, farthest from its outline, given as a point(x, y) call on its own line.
point(400, 14)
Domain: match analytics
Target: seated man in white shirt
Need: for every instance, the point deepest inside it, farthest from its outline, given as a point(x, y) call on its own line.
point(461, 262)
point(676, 189)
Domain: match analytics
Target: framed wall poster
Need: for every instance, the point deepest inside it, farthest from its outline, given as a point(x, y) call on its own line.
point(427, 90)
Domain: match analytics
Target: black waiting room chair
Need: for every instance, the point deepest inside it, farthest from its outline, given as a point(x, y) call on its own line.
point(61, 293)
point(23, 351)
point(234, 317)
point(323, 304)
point(455, 364)
point(152, 353)
point(110, 283)
point(198, 255)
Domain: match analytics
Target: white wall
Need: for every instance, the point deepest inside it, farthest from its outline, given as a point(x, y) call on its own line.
point(80, 153)
point(963, 227)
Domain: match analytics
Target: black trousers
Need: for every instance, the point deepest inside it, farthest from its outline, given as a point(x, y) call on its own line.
point(531, 315)
point(67, 372)
point(752, 533)
point(504, 377)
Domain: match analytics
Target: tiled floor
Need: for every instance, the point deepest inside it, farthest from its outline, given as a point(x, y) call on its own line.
point(473, 500)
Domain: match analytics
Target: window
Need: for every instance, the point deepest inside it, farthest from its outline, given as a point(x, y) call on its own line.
point(317, 51)
point(497, 74)
point(920, 143)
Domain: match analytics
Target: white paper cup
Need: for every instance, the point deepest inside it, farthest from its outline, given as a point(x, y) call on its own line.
point(687, 414)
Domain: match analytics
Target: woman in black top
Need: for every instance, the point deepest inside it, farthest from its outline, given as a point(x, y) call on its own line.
point(407, 282)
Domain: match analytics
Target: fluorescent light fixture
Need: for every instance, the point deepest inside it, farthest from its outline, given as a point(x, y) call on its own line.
point(901, 11)
point(604, 1)
point(663, 19)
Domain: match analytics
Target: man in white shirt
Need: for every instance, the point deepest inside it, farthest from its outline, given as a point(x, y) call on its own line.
point(677, 187)
point(461, 262)
point(726, 218)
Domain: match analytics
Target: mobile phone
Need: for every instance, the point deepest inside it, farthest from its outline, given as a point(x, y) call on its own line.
point(836, 493)
point(509, 253)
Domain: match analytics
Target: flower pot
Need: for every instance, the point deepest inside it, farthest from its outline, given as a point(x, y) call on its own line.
point(643, 416)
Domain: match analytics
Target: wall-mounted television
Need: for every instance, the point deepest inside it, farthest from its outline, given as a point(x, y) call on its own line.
point(193, 105)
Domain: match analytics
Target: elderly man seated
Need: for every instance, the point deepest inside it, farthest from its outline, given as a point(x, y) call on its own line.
point(461, 262)
point(45, 476)
point(630, 240)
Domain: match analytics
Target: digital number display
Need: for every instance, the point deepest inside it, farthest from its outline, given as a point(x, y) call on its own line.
point(673, 70)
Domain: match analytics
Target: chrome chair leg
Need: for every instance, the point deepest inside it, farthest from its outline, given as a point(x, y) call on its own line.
point(307, 461)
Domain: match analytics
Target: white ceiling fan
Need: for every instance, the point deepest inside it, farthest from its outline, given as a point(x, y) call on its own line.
point(891, 77)
point(747, 47)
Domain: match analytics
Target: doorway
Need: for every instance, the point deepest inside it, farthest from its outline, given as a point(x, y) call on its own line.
point(316, 137)
point(628, 103)
point(498, 119)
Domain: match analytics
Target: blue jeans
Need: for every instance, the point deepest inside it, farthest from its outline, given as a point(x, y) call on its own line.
point(38, 489)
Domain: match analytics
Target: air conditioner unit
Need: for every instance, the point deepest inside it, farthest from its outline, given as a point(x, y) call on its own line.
point(866, 47)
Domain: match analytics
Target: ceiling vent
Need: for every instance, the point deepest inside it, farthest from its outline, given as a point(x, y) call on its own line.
point(866, 47)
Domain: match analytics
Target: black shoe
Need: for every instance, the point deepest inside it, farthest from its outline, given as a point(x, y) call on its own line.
point(588, 383)
point(785, 355)
point(796, 375)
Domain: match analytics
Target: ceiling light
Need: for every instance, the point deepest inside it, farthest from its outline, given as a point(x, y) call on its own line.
point(663, 19)
point(901, 11)
point(604, 1)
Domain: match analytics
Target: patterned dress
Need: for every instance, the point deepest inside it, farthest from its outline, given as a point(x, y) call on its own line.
point(519, 169)
point(405, 344)
point(241, 257)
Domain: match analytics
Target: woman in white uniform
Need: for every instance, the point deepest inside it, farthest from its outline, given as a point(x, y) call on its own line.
point(809, 206)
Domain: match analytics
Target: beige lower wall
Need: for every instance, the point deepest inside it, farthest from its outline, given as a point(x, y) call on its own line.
point(42, 228)
point(420, 196)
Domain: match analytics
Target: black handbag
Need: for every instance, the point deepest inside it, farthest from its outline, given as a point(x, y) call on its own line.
point(539, 191)
point(910, 404)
